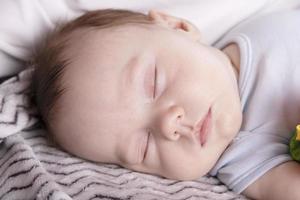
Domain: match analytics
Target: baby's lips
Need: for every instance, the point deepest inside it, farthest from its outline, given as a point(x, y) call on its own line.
point(203, 126)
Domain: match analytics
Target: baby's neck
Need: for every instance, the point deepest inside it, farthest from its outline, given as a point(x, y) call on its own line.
point(233, 53)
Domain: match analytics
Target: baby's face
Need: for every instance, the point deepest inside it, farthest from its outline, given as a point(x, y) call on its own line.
point(150, 99)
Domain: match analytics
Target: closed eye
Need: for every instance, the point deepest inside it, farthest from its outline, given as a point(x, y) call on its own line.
point(154, 82)
point(146, 147)
point(150, 82)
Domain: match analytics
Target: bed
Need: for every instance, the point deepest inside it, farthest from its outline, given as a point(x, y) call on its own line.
point(31, 167)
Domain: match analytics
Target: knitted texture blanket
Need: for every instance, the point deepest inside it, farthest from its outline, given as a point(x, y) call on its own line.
point(31, 167)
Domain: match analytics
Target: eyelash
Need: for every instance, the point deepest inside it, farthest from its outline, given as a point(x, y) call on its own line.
point(145, 150)
point(155, 77)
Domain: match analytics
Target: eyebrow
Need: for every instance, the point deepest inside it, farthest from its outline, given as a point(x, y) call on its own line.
point(131, 69)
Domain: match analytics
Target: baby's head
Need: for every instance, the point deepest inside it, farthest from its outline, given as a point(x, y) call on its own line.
point(137, 90)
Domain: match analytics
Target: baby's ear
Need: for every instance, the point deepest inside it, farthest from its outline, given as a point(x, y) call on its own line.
point(175, 23)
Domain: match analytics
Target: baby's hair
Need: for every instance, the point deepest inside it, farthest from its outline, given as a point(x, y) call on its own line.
point(49, 61)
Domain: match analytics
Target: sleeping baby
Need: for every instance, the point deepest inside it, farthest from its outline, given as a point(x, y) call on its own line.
point(145, 92)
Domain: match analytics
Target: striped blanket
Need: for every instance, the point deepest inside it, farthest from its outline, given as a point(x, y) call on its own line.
point(31, 167)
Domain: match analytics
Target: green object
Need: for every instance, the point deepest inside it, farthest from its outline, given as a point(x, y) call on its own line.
point(295, 145)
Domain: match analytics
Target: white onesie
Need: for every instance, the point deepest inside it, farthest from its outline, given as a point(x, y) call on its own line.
point(269, 86)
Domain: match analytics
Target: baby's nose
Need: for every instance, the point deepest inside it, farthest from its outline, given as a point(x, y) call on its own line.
point(172, 125)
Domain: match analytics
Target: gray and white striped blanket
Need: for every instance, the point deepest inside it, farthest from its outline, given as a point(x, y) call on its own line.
point(32, 168)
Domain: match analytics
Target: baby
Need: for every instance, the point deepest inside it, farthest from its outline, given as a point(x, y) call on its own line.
point(146, 93)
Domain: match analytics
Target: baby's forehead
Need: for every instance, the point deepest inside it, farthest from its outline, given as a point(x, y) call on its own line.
point(110, 44)
point(114, 32)
point(102, 51)
point(97, 60)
